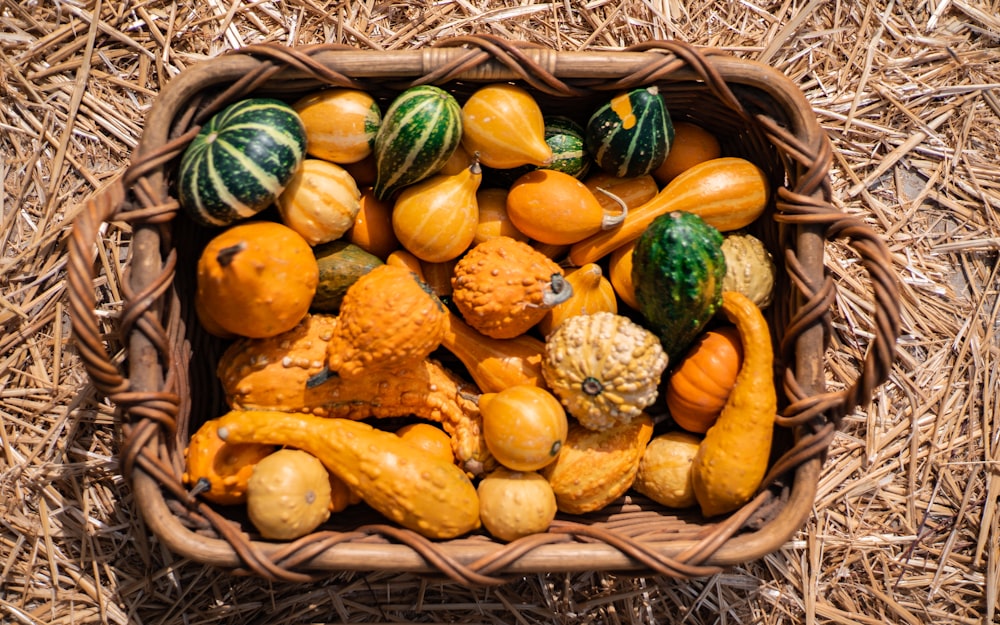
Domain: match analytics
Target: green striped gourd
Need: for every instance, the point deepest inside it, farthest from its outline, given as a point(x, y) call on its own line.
point(631, 134)
point(566, 138)
point(240, 161)
point(418, 135)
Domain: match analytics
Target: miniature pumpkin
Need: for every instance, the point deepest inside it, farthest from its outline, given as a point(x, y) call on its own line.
point(698, 387)
point(664, 473)
point(503, 125)
point(320, 202)
point(256, 279)
point(435, 219)
point(513, 504)
point(288, 495)
point(524, 426)
point(503, 287)
point(749, 268)
point(604, 367)
point(225, 467)
point(592, 293)
point(595, 468)
point(388, 318)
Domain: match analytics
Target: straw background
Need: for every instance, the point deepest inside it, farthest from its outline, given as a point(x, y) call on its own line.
point(905, 527)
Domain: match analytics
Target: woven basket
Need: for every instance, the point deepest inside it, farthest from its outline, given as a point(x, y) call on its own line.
point(170, 388)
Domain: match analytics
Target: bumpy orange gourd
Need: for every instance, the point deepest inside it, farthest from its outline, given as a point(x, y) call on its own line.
point(524, 426)
point(436, 219)
point(592, 293)
point(503, 287)
point(224, 467)
point(388, 318)
point(256, 279)
point(503, 126)
point(495, 364)
point(555, 208)
point(699, 385)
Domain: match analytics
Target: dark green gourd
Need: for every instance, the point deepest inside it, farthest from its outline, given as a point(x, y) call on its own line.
point(240, 161)
point(631, 134)
point(677, 272)
point(340, 265)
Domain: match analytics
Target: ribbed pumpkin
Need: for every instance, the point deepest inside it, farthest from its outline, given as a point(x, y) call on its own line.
point(435, 219)
point(503, 125)
point(340, 124)
point(592, 293)
point(699, 385)
point(240, 161)
point(320, 202)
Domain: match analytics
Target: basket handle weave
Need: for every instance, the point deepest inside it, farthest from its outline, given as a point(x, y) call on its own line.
point(153, 404)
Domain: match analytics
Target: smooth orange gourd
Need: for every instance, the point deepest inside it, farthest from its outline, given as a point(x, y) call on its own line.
point(436, 219)
point(524, 426)
point(692, 145)
point(493, 218)
point(503, 126)
point(611, 190)
point(699, 385)
point(495, 364)
point(620, 274)
point(592, 293)
point(372, 229)
point(431, 439)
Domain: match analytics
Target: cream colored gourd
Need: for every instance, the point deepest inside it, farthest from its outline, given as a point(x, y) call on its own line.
point(592, 293)
point(664, 473)
point(288, 495)
point(340, 124)
point(503, 126)
point(321, 202)
point(436, 219)
point(749, 268)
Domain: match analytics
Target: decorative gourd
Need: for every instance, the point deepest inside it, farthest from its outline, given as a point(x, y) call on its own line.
point(513, 504)
point(524, 426)
point(406, 260)
point(554, 207)
point(677, 271)
point(612, 191)
point(406, 484)
point(732, 459)
point(419, 133)
point(364, 171)
point(631, 134)
point(320, 202)
point(340, 124)
point(256, 279)
point(620, 274)
point(729, 193)
point(503, 287)
point(275, 374)
point(604, 367)
point(692, 145)
point(288, 495)
point(438, 276)
point(495, 364)
point(493, 218)
point(372, 229)
point(595, 468)
point(698, 387)
point(503, 127)
point(388, 318)
point(664, 473)
point(749, 267)
point(340, 265)
point(240, 161)
point(459, 161)
point(592, 293)
point(435, 219)
point(431, 439)
point(566, 139)
point(222, 469)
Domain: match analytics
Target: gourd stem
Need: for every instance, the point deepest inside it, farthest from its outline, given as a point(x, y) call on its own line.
point(227, 254)
point(592, 386)
point(557, 291)
point(613, 221)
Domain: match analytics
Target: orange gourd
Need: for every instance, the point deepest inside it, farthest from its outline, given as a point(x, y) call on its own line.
point(728, 193)
point(524, 426)
point(438, 276)
point(692, 145)
point(222, 469)
point(493, 218)
point(340, 124)
point(699, 385)
point(436, 219)
point(620, 274)
point(610, 190)
point(372, 229)
point(495, 364)
point(555, 208)
point(321, 202)
point(592, 293)
point(503, 126)
point(431, 439)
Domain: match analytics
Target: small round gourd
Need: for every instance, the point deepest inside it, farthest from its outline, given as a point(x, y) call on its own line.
point(524, 426)
point(604, 367)
point(340, 124)
point(749, 268)
point(699, 385)
point(288, 495)
point(665, 469)
point(513, 504)
point(321, 201)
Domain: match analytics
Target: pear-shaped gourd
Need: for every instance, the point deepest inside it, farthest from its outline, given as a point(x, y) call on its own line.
point(592, 293)
point(436, 219)
point(503, 125)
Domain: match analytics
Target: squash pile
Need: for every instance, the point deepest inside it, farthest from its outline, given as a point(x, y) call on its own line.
point(475, 314)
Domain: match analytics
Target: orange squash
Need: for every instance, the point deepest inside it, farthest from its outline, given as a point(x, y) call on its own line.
point(495, 364)
point(436, 219)
point(372, 229)
point(592, 293)
point(692, 145)
point(493, 218)
point(620, 274)
point(611, 190)
point(224, 467)
point(502, 124)
point(524, 426)
point(699, 385)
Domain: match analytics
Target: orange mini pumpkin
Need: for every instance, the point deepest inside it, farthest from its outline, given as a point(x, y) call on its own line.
point(699, 386)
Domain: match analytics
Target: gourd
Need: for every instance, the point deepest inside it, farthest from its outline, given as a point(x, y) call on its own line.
point(431, 439)
point(493, 218)
point(503, 287)
point(240, 161)
point(677, 271)
point(419, 133)
point(288, 495)
point(612, 191)
point(406, 260)
point(524, 426)
point(340, 124)
point(565, 138)
point(729, 193)
point(555, 208)
point(435, 219)
point(664, 473)
point(592, 293)
point(692, 145)
point(222, 469)
point(280, 374)
point(631, 134)
point(604, 367)
point(320, 202)
point(495, 364)
point(256, 279)
point(749, 267)
point(698, 387)
point(513, 504)
point(372, 229)
point(620, 274)
point(340, 265)
point(595, 468)
point(405, 484)
point(438, 276)
point(388, 318)
point(732, 459)
point(503, 126)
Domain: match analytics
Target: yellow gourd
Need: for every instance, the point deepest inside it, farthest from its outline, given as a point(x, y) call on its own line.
point(592, 293)
point(404, 483)
point(513, 504)
point(340, 124)
point(732, 459)
point(321, 202)
point(223, 467)
point(524, 426)
point(664, 473)
point(503, 126)
point(436, 219)
point(288, 495)
point(495, 364)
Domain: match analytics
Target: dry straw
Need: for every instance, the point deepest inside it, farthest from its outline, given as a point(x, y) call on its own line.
point(905, 528)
